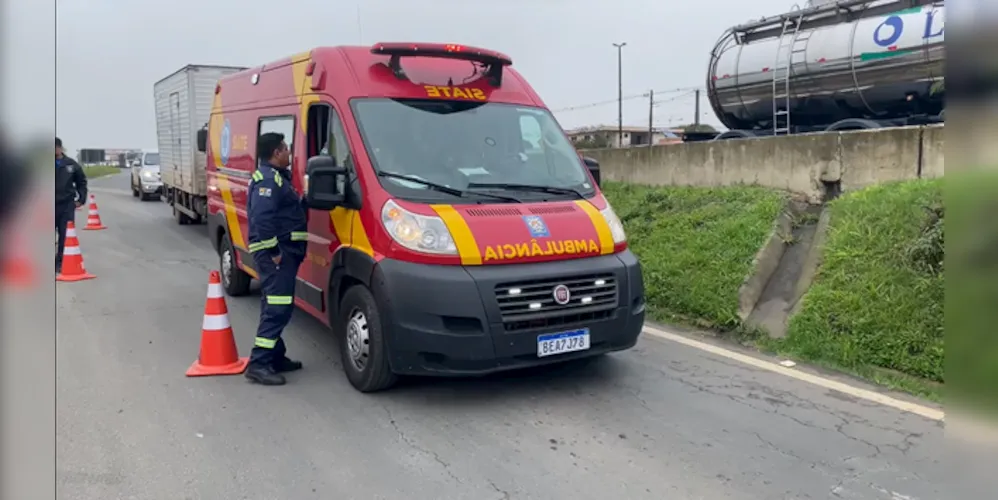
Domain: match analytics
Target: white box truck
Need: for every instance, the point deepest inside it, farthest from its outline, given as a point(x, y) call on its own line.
point(183, 106)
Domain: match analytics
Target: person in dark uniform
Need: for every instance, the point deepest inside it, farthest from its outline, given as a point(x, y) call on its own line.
point(70, 193)
point(277, 240)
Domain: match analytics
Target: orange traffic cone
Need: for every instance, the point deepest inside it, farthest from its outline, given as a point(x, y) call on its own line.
point(72, 258)
point(17, 268)
point(93, 216)
point(219, 355)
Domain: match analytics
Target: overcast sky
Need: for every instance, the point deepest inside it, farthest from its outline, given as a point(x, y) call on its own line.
point(111, 51)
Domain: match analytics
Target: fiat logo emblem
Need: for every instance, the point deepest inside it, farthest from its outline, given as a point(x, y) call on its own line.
point(561, 295)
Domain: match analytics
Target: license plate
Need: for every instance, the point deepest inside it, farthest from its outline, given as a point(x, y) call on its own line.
point(560, 343)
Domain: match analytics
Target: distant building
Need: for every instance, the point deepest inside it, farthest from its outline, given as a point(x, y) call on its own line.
point(607, 136)
point(91, 156)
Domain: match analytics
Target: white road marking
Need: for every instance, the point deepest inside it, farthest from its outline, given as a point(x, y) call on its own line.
point(857, 392)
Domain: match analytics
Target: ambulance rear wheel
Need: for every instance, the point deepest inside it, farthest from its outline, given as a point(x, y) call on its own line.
point(234, 280)
point(362, 347)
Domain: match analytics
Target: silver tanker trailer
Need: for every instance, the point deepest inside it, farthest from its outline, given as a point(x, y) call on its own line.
point(832, 65)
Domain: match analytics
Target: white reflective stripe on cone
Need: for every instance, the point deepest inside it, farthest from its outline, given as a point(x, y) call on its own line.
point(70, 232)
point(214, 291)
point(215, 322)
point(73, 250)
point(92, 212)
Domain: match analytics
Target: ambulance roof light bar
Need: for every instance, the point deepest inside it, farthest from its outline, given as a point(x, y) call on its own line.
point(493, 61)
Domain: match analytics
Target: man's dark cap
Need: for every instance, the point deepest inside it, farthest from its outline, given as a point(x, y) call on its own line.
point(58, 142)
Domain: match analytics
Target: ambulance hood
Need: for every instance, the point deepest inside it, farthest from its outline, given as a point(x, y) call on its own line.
point(529, 232)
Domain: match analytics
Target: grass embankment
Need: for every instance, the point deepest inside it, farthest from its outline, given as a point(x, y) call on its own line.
point(96, 171)
point(696, 246)
point(876, 306)
point(972, 291)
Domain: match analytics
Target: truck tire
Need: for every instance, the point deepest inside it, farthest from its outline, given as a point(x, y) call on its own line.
point(234, 280)
point(853, 124)
point(135, 191)
point(362, 347)
point(181, 217)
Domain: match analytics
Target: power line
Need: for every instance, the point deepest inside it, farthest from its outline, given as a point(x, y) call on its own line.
point(680, 89)
point(688, 90)
point(664, 101)
point(597, 104)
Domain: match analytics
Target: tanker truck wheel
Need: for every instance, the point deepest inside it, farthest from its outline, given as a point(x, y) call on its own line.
point(853, 124)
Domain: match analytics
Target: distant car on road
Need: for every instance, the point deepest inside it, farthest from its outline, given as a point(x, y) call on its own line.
point(146, 182)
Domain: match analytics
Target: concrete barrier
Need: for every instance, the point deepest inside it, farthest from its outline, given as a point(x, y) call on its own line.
point(796, 163)
point(932, 152)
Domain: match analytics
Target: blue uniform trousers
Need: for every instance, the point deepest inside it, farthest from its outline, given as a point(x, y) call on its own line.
point(63, 214)
point(277, 292)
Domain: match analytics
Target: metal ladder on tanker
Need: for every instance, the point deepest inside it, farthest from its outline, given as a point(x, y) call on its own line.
point(791, 43)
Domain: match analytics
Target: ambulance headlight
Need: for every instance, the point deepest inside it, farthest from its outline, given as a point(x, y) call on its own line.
point(419, 233)
point(616, 227)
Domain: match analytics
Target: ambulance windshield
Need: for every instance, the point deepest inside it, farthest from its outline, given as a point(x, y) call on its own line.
point(457, 143)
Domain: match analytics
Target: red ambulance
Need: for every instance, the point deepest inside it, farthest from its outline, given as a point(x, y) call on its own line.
point(453, 228)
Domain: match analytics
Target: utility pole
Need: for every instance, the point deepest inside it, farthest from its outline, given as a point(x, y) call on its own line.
point(696, 119)
point(651, 116)
point(360, 27)
point(620, 94)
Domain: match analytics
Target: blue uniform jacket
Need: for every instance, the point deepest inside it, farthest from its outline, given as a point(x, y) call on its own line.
point(276, 213)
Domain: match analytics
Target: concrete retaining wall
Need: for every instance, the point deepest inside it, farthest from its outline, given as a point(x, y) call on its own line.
point(797, 163)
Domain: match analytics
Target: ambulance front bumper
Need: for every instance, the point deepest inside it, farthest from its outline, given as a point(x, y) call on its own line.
point(476, 320)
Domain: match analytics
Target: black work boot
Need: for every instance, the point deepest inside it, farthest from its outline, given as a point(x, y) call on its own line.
point(264, 375)
point(285, 364)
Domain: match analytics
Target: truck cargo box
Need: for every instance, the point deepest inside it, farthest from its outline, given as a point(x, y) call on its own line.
point(183, 105)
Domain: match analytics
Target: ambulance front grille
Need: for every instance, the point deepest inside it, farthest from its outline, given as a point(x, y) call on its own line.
point(553, 209)
point(528, 305)
point(492, 212)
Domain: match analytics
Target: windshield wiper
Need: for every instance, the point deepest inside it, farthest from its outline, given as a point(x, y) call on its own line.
point(444, 189)
point(527, 187)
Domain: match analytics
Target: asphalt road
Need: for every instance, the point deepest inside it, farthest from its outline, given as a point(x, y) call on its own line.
point(662, 421)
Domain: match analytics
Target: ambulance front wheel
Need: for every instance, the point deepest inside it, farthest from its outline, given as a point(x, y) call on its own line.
point(362, 346)
point(234, 280)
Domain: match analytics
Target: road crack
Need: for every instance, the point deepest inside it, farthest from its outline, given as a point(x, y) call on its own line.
point(412, 444)
point(504, 493)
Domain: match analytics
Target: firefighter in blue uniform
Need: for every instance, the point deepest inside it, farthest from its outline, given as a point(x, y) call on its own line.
point(277, 240)
point(70, 194)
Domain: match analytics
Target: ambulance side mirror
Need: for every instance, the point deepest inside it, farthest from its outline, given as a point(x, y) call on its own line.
point(593, 167)
point(325, 188)
point(202, 140)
